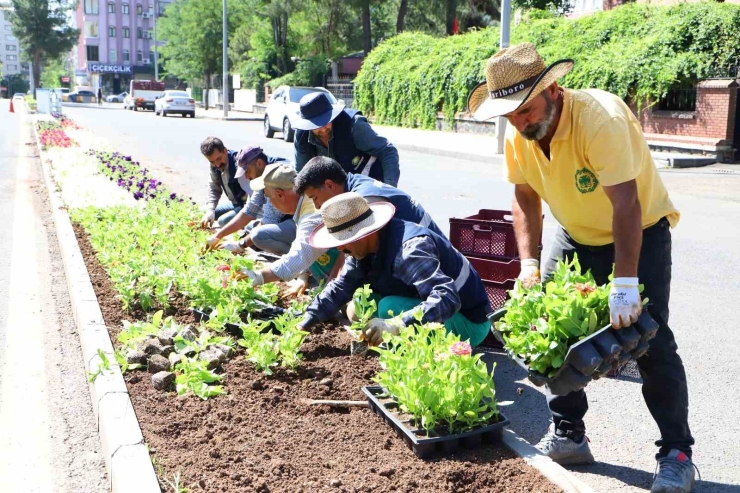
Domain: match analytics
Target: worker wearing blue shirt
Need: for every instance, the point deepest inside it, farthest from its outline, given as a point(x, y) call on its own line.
point(343, 134)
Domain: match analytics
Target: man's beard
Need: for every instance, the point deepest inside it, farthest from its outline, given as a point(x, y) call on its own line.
point(536, 131)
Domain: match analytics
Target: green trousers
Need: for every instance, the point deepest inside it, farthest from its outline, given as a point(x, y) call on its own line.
point(457, 324)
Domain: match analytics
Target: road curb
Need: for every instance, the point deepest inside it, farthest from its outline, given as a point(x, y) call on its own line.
point(126, 457)
point(456, 154)
point(551, 470)
point(231, 118)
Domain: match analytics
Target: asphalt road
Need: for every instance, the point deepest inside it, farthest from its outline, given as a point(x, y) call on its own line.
point(48, 435)
point(705, 284)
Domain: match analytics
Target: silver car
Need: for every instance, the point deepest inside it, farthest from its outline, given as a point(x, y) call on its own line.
point(116, 98)
point(283, 106)
point(177, 102)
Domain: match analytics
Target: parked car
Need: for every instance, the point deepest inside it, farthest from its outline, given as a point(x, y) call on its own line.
point(283, 106)
point(19, 95)
point(82, 97)
point(116, 98)
point(177, 102)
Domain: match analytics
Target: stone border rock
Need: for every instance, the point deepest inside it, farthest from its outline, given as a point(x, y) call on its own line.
point(551, 470)
point(126, 455)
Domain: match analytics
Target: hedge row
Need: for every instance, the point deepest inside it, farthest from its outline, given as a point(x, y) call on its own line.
point(638, 51)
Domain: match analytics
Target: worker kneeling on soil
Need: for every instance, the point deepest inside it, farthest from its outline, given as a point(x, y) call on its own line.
point(277, 182)
point(223, 179)
point(323, 178)
point(267, 228)
point(407, 266)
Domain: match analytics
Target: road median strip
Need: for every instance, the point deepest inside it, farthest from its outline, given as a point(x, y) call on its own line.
point(126, 456)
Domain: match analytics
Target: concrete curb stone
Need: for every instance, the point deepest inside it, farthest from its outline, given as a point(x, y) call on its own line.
point(126, 456)
point(551, 470)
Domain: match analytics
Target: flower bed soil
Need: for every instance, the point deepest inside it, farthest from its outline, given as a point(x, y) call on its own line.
point(260, 437)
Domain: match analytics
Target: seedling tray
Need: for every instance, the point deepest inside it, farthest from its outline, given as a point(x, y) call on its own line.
point(593, 357)
point(435, 445)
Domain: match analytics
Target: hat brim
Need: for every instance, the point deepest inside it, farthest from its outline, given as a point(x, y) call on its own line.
point(258, 183)
point(320, 237)
point(240, 172)
point(482, 107)
point(318, 121)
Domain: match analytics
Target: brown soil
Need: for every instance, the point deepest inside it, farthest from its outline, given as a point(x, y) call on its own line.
point(260, 437)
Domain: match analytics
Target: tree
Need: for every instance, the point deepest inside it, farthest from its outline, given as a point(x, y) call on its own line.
point(52, 72)
point(367, 38)
point(42, 30)
point(193, 31)
point(560, 6)
point(14, 83)
point(450, 15)
point(403, 8)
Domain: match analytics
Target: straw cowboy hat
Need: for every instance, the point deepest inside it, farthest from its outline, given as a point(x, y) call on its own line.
point(514, 76)
point(347, 218)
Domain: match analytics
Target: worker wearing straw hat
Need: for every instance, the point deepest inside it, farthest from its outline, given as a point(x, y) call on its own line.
point(583, 152)
point(407, 266)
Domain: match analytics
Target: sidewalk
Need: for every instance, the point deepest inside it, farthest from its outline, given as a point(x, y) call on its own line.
point(234, 116)
point(473, 147)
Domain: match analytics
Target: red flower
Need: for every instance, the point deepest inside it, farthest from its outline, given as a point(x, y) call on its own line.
point(223, 267)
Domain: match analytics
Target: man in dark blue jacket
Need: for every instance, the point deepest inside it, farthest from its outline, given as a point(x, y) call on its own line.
point(409, 268)
point(223, 180)
point(323, 178)
point(344, 135)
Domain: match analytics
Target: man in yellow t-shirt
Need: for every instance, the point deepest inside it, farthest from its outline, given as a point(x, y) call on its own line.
point(583, 152)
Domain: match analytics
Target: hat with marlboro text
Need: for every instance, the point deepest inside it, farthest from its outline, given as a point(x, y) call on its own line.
point(514, 76)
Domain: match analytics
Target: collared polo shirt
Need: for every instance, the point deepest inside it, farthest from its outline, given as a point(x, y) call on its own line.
point(598, 143)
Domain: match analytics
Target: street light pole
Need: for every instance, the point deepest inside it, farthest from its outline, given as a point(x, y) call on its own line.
point(156, 52)
point(225, 97)
point(504, 43)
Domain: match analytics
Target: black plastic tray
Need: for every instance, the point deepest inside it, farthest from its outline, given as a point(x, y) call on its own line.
point(593, 357)
point(433, 446)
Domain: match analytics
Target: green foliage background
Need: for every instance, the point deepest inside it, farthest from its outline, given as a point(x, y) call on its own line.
point(636, 51)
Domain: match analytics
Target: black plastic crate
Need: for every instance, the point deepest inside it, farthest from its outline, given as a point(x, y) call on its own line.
point(435, 445)
point(593, 357)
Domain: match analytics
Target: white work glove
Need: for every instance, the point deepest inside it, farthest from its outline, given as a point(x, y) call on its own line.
point(625, 304)
point(208, 218)
point(297, 286)
point(233, 247)
point(212, 243)
point(530, 271)
point(256, 277)
point(373, 332)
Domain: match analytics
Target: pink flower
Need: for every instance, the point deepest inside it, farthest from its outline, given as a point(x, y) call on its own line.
point(223, 267)
point(225, 282)
point(461, 348)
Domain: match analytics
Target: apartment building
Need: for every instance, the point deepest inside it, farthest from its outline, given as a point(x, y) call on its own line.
point(10, 50)
point(116, 42)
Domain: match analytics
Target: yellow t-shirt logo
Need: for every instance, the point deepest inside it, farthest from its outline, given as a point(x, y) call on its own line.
point(324, 260)
point(586, 180)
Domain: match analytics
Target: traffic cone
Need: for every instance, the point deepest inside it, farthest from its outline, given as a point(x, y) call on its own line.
point(12, 110)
